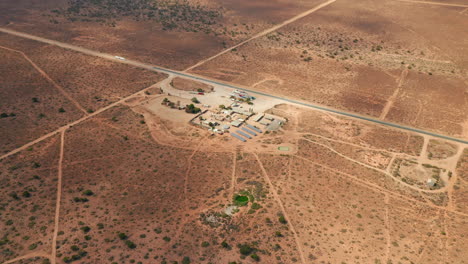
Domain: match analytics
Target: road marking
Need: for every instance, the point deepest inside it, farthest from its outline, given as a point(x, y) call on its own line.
point(432, 3)
point(232, 86)
point(263, 33)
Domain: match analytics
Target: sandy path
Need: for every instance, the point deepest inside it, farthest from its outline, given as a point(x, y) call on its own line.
point(27, 256)
point(392, 98)
point(63, 128)
point(263, 33)
point(387, 228)
point(378, 188)
point(47, 77)
point(59, 198)
point(285, 214)
point(233, 176)
point(189, 168)
point(441, 190)
point(432, 3)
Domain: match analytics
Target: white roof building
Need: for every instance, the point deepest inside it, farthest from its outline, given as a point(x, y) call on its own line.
point(236, 123)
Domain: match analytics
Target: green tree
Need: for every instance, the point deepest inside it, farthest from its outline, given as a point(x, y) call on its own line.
point(186, 260)
point(282, 220)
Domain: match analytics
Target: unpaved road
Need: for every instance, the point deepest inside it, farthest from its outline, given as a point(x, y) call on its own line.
point(209, 81)
point(432, 3)
point(265, 32)
point(59, 199)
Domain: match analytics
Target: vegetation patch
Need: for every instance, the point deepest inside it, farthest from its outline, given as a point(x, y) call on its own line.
point(241, 200)
point(171, 14)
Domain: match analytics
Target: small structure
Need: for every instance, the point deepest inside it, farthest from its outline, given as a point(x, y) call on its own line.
point(254, 128)
point(249, 131)
point(226, 127)
point(269, 117)
point(243, 134)
point(242, 111)
point(236, 123)
point(264, 122)
point(238, 137)
point(430, 183)
point(258, 117)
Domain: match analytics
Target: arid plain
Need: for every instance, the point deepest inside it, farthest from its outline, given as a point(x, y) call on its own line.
point(94, 168)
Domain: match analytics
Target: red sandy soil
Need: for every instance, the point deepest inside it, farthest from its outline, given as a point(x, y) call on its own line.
point(189, 85)
point(92, 82)
point(167, 192)
point(353, 57)
point(28, 186)
point(21, 82)
point(146, 40)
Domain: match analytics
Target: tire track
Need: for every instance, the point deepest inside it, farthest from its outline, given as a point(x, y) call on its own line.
point(394, 96)
point(58, 200)
point(377, 188)
point(285, 214)
point(263, 33)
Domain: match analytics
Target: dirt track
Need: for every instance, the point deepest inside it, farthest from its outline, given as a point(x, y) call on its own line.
point(432, 3)
point(263, 33)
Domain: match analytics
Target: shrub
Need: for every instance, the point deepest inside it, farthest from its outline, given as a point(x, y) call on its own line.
point(205, 244)
point(85, 229)
point(186, 260)
point(122, 236)
point(255, 257)
point(256, 206)
point(191, 109)
point(195, 100)
point(245, 249)
point(282, 220)
point(74, 248)
point(61, 110)
point(88, 193)
point(130, 244)
point(32, 246)
point(224, 244)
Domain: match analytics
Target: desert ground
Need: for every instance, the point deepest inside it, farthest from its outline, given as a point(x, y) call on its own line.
point(101, 160)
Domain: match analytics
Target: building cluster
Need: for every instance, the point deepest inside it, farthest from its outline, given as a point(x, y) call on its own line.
point(238, 119)
point(241, 96)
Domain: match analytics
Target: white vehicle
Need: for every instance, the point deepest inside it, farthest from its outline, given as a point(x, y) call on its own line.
point(119, 58)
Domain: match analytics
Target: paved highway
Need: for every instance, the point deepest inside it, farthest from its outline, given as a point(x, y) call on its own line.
point(228, 85)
